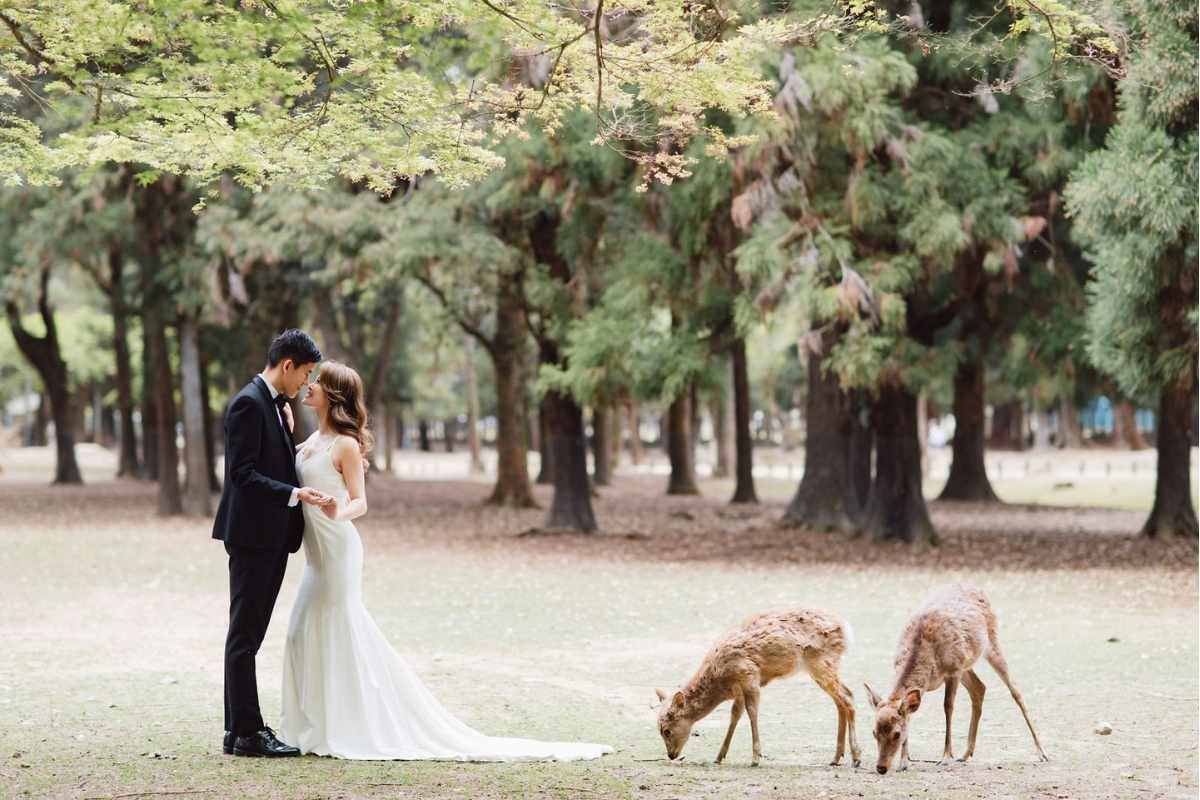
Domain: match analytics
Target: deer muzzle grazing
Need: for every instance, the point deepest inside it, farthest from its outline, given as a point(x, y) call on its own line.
point(939, 645)
point(744, 659)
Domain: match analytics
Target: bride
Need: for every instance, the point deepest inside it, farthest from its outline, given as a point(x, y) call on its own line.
point(346, 692)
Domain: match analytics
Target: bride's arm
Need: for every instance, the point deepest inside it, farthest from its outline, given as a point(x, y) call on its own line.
point(347, 460)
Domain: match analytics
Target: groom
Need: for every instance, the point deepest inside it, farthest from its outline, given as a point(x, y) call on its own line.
point(260, 521)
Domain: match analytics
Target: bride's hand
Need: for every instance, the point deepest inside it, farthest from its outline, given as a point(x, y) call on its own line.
point(287, 417)
point(330, 509)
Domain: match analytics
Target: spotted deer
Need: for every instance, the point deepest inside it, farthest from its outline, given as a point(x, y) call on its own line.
point(744, 659)
point(940, 644)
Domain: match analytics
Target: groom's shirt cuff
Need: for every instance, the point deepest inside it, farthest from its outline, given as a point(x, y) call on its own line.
point(295, 498)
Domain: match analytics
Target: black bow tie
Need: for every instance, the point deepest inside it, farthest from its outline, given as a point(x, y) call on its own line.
point(280, 401)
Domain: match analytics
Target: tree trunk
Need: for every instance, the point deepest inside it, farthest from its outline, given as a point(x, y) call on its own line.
point(682, 480)
point(744, 490)
point(572, 505)
point(636, 452)
point(896, 508)
point(449, 426)
point(722, 415)
point(149, 469)
point(546, 470)
point(1173, 512)
point(601, 471)
point(46, 357)
point(862, 451)
point(127, 462)
point(1041, 436)
point(473, 443)
point(1125, 433)
point(968, 474)
point(383, 355)
point(1069, 432)
point(512, 456)
point(423, 436)
point(197, 500)
point(210, 437)
point(825, 498)
point(41, 421)
point(170, 501)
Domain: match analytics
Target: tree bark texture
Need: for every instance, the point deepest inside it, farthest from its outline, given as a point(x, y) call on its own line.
point(127, 461)
point(474, 446)
point(636, 452)
point(825, 498)
point(45, 355)
point(197, 499)
point(679, 451)
point(1070, 433)
point(512, 467)
point(1125, 433)
point(1173, 513)
point(896, 507)
point(545, 475)
point(743, 491)
point(721, 412)
point(601, 470)
point(968, 474)
point(572, 505)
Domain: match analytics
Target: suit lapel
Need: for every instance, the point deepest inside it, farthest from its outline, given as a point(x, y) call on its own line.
point(285, 436)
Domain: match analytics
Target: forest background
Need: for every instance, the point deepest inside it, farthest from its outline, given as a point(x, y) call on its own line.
point(584, 231)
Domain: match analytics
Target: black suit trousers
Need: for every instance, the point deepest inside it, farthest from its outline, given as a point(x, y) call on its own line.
point(255, 576)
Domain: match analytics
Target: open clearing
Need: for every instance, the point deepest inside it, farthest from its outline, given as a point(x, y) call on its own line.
point(113, 624)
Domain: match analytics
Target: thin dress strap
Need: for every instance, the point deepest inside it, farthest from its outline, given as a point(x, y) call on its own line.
point(331, 444)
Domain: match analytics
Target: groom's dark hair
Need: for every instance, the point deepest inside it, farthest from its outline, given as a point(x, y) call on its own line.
point(296, 345)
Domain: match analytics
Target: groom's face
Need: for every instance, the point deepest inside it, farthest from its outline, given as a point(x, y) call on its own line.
point(293, 376)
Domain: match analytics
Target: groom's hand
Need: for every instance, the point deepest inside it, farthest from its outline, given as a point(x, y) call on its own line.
point(313, 497)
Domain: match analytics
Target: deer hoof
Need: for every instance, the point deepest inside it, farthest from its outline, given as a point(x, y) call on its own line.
point(901, 767)
point(754, 763)
point(1043, 757)
point(856, 763)
point(943, 763)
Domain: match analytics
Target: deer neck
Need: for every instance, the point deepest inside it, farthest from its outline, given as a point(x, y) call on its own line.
point(917, 671)
point(703, 694)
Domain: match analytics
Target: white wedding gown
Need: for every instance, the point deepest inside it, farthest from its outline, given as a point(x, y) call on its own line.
point(346, 692)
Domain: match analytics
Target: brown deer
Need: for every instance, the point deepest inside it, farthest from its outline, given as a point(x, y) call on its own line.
point(769, 645)
point(939, 644)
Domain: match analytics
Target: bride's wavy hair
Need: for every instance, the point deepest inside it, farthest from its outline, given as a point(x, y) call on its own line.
point(347, 411)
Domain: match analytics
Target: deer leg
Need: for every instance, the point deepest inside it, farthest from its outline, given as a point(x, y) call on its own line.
point(903, 765)
point(995, 657)
point(948, 704)
point(976, 689)
point(735, 714)
point(844, 700)
point(751, 696)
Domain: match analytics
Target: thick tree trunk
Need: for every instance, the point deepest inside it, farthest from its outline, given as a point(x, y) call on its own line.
point(449, 425)
point(210, 438)
point(679, 451)
point(572, 505)
point(1007, 422)
point(1173, 513)
point(197, 500)
point(150, 450)
point(41, 421)
point(601, 471)
point(968, 475)
point(45, 355)
point(473, 443)
point(896, 508)
point(825, 498)
point(512, 466)
point(744, 490)
point(423, 436)
point(383, 355)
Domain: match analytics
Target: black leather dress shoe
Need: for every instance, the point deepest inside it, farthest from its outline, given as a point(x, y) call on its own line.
point(262, 745)
point(227, 743)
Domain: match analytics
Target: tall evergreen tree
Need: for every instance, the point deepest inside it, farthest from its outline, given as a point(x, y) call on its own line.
point(1135, 209)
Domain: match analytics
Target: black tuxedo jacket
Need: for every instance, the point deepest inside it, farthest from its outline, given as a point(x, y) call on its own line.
point(260, 473)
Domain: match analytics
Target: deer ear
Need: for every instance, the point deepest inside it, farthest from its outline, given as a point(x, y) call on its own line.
point(677, 700)
point(874, 698)
point(661, 695)
point(912, 701)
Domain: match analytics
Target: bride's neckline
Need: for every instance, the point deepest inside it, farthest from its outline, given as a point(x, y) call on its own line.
point(309, 452)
